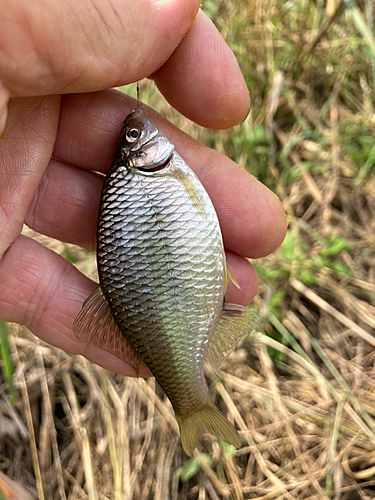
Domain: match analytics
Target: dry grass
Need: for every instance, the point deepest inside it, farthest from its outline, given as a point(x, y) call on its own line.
point(301, 390)
point(307, 419)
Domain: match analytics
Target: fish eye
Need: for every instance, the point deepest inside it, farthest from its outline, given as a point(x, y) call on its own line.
point(133, 134)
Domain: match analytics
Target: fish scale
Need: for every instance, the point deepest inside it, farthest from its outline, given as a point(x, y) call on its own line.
point(185, 260)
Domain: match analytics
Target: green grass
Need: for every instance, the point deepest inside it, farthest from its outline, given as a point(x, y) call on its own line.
point(6, 360)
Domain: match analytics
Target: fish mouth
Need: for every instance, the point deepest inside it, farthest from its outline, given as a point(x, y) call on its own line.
point(157, 166)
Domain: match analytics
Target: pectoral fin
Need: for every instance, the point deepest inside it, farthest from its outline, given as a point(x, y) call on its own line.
point(96, 325)
point(235, 324)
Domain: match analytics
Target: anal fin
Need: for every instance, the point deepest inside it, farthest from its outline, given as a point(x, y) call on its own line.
point(234, 325)
point(96, 325)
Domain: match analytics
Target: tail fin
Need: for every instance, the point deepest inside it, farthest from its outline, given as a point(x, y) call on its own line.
point(207, 418)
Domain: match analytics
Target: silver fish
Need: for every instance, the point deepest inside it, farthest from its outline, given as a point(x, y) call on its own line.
point(163, 277)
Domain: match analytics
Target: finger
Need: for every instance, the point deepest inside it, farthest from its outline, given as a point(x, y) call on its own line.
point(25, 151)
point(66, 205)
point(91, 46)
point(252, 219)
point(41, 290)
point(204, 71)
point(84, 46)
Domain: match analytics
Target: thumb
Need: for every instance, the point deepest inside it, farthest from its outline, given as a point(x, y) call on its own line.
point(49, 46)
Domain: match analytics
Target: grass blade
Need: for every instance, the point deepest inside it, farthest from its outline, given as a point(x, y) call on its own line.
point(7, 361)
point(361, 25)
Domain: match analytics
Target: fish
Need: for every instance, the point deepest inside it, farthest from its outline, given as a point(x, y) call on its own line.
point(162, 278)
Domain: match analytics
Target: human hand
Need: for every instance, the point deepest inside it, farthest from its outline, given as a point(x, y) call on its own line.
point(53, 145)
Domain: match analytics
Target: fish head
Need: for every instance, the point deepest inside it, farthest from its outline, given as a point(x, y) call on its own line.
point(142, 145)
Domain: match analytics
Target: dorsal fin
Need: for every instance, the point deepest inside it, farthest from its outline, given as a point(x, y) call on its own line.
point(234, 325)
point(96, 325)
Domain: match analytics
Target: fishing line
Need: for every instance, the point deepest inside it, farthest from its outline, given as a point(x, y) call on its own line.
point(138, 101)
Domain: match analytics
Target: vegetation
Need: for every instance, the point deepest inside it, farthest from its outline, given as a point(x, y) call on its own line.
point(302, 388)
